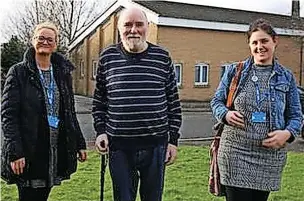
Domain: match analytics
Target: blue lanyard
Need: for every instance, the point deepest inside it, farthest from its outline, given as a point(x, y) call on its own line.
point(50, 88)
point(259, 99)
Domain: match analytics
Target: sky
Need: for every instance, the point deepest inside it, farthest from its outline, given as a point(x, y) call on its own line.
point(269, 6)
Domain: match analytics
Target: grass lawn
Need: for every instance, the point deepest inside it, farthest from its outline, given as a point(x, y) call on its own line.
point(186, 180)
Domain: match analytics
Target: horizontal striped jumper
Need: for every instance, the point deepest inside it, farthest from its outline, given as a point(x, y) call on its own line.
point(136, 95)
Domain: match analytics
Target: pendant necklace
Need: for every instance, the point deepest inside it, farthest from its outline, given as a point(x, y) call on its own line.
point(254, 78)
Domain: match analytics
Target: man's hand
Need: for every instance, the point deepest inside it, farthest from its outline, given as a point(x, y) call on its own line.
point(18, 166)
point(277, 139)
point(171, 154)
point(82, 155)
point(102, 143)
point(234, 118)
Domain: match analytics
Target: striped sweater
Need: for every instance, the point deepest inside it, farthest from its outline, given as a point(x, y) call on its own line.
point(136, 94)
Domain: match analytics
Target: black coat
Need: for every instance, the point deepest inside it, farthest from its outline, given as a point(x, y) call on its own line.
point(24, 121)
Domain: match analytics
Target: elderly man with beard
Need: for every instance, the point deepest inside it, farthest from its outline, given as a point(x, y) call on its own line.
point(136, 110)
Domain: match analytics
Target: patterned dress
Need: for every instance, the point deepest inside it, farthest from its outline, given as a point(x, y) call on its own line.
point(53, 178)
point(243, 161)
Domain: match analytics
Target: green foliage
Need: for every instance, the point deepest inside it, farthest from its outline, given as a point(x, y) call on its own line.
point(11, 53)
point(186, 180)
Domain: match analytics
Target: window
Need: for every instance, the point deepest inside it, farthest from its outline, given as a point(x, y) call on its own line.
point(201, 74)
point(178, 73)
point(81, 68)
point(224, 68)
point(94, 69)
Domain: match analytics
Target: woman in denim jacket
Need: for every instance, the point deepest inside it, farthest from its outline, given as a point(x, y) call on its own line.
point(266, 114)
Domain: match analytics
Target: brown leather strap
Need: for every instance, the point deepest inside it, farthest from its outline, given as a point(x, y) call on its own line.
point(234, 83)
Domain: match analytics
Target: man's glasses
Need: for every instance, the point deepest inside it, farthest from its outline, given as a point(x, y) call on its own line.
point(41, 39)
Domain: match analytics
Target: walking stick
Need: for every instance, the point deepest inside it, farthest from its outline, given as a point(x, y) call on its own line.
point(102, 175)
point(102, 172)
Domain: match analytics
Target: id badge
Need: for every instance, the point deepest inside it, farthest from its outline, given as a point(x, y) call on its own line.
point(53, 121)
point(258, 117)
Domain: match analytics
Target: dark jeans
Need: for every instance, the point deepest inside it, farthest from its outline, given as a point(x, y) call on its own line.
point(241, 194)
point(128, 167)
point(33, 194)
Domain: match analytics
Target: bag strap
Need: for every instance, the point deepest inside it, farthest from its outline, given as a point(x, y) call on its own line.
point(234, 83)
point(233, 86)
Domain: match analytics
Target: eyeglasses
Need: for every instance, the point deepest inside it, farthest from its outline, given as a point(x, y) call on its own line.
point(41, 39)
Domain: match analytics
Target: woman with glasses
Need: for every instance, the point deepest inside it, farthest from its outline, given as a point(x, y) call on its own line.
point(266, 114)
point(42, 137)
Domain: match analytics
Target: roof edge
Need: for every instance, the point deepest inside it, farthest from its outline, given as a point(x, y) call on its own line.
point(199, 24)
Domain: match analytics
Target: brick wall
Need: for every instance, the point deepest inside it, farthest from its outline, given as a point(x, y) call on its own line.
point(192, 46)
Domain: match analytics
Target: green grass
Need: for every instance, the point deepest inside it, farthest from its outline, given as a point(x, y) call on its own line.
point(186, 180)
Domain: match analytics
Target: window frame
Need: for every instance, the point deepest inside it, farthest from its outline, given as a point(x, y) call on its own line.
point(94, 72)
point(180, 73)
point(224, 68)
point(201, 66)
point(81, 68)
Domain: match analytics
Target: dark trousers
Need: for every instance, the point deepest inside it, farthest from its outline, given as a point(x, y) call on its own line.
point(33, 194)
point(241, 194)
point(128, 167)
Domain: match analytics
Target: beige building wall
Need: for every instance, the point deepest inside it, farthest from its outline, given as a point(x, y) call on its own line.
point(288, 53)
point(192, 46)
point(94, 42)
point(88, 53)
point(78, 59)
point(75, 56)
point(152, 33)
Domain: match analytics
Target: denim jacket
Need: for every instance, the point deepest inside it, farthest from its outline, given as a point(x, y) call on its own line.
point(284, 101)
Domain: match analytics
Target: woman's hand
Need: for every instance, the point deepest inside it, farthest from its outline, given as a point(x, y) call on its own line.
point(276, 139)
point(18, 166)
point(234, 118)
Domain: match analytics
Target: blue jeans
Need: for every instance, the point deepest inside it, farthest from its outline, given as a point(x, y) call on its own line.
point(128, 167)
